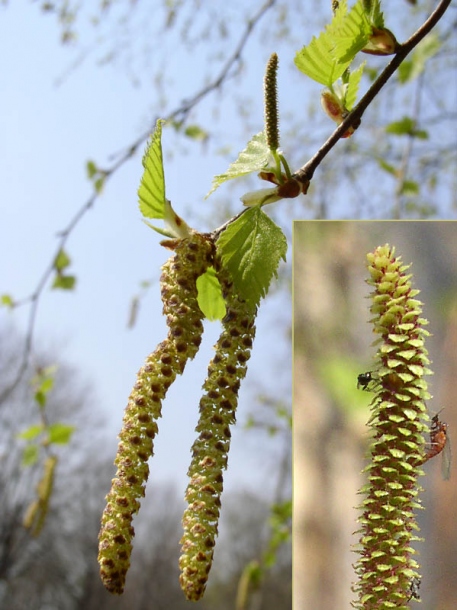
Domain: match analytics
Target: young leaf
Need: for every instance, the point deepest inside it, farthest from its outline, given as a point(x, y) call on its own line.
point(7, 300)
point(30, 455)
point(350, 33)
point(427, 48)
point(210, 298)
point(317, 62)
point(64, 282)
point(60, 433)
point(406, 127)
point(252, 159)
point(61, 261)
point(195, 132)
point(372, 10)
point(151, 192)
point(353, 87)
point(326, 58)
point(31, 432)
point(251, 248)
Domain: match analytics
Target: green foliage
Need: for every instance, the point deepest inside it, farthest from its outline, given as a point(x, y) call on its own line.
point(96, 176)
point(62, 261)
point(210, 298)
point(406, 127)
point(60, 434)
point(252, 159)
point(31, 433)
point(353, 87)
point(151, 193)
point(152, 187)
point(415, 65)
point(372, 10)
point(61, 280)
point(195, 132)
point(7, 300)
point(327, 57)
point(251, 248)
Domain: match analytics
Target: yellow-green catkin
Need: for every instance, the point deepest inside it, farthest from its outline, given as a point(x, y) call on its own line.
point(210, 450)
point(37, 511)
point(271, 103)
point(386, 568)
point(193, 255)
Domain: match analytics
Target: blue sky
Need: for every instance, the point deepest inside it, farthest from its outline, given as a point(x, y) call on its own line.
point(48, 134)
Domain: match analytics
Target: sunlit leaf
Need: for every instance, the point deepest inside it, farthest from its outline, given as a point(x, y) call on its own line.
point(64, 282)
point(252, 159)
point(372, 10)
point(31, 432)
point(411, 68)
point(353, 87)
point(251, 248)
point(7, 300)
point(60, 433)
point(195, 132)
point(210, 298)
point(61, 261)
point(327, 57)
point(151, 192)
point(350, 33)
point(30, 455)
point(406, 126)
point(410, 187)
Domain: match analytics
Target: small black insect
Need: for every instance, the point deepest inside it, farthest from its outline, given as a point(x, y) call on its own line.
point(363, 380)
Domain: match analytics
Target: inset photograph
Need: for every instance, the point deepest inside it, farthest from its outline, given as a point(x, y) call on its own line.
point(374, 367)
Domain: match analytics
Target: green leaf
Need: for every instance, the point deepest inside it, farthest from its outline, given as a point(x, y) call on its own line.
point(387, 167)
point(373, 13)
point(251, 248)
point(353, 87)
point(7, 300)
point(327, 57)
point(64, 282)
point(61, 261)
point(195, 132)
point(31, 432)
point(30, 455)
point(99, 184)
point(410, 187)
point(427, 48)
point(210, 298)
point(151, 192)
point(317, 62)
point(406, 126)
point(252, 159)
point(350, 33)
point(91, 169)
point(60, 434)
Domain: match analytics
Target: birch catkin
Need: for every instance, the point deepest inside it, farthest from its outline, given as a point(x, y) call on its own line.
point(210, 450)
point(193, 255)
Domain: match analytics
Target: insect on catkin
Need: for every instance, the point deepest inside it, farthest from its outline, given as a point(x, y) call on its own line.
point(193, 255)
point(210, 450)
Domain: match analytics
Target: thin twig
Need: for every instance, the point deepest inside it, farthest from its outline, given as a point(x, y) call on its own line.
point(306, 172)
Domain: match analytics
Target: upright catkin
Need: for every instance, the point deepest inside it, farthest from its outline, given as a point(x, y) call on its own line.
point(386, 566)
point(193, 255)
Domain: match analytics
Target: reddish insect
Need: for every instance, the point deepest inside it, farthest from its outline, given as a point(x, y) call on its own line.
point(439, 443)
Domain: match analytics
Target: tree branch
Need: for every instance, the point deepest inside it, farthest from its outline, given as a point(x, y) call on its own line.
point(306, 172)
